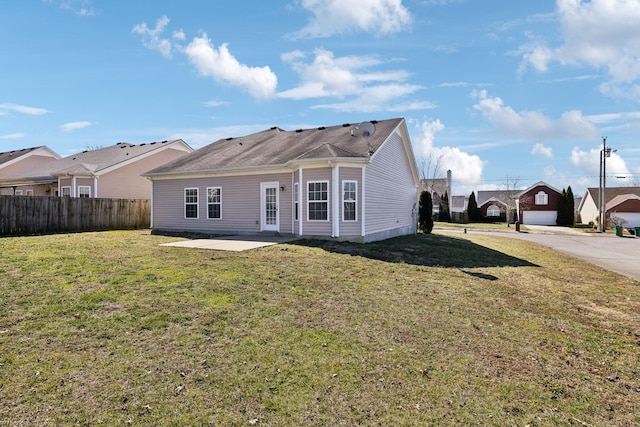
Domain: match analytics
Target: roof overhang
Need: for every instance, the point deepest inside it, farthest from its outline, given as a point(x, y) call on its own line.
point(288, 167)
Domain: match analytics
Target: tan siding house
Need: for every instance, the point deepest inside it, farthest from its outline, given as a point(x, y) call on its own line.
point(15, 161)
point(327, 182)
point(111, 172)
point(589, 207)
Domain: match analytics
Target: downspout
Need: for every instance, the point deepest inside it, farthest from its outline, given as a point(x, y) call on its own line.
point(363, 215)
point(73, 186)
point(300, 202)
point(95, 186)
point(335, 199)
point(151, 201)
point(293, 206)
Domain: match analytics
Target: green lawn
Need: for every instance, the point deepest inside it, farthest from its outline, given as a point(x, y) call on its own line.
point(445, 329)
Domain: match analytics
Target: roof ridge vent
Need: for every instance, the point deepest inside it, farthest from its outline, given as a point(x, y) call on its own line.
point(298, 130)
point(345, 125)
point(322, 128)
point(230, 138)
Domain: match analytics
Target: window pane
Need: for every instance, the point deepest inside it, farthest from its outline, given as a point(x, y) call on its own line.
point(318, 201)
point(191, 211)
point(349, 211)
point(214, 211)
point(214, 195)
point(318, 211)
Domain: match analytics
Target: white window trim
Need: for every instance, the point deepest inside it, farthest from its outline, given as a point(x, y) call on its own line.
point(214, 203)
point(28, 192)
point(17, 193)
point(64, 188)
point(355, 202)
point(87, 187)
point(316, 201)
point(197, 203)
point(493, 208)
point(541, 198)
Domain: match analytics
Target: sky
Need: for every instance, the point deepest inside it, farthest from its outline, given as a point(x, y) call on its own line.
point(501, 93)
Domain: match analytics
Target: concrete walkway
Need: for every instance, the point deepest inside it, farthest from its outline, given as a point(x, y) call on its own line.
point(619, 254)
point(232, 243)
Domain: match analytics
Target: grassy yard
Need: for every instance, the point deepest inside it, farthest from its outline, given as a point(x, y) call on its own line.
point(445, 329)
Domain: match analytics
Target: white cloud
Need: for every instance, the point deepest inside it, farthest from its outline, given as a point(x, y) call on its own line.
point(216, 103)
point(351, 78)
point(465, 168)
point(602, 34)
point(79, 7)
point(151, 37)
point(16, 135)
point(260, 82)
point(331, 17)
point(34, 111)
point(533, 124)
point(540, 149)
point(218, 63)
point(589, 163)
point(71, 126)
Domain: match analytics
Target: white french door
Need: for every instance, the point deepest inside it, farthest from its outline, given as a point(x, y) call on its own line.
point(269, 206)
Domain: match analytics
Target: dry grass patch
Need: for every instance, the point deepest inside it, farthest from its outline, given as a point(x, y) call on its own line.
point(110, 328)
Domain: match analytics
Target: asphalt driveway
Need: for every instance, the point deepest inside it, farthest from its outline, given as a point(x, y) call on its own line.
point(619, 254)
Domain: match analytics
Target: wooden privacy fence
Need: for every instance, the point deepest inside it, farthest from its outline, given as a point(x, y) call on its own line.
point(23, 215)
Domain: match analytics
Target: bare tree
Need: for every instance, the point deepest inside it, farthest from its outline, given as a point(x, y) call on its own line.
point(509, 196)
point(429, 165)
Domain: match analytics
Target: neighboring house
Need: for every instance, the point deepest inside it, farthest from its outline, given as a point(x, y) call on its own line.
point(538, 204)
point(458, 209)
point(321, 182)
point(437, 187)
point(12, 162)
point(621, 200)
point(496, 204)
point(111, 172)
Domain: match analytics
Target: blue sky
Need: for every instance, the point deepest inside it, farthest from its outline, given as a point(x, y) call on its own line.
point(496, 91)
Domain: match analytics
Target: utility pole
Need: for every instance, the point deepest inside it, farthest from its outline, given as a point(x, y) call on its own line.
point(602, 212)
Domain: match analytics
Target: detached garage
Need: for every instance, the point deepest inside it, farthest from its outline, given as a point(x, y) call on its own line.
point(626, 208)
point(538, 205)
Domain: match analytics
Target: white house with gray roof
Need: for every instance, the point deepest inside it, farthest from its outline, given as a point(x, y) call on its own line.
point(110, 172)
point(329, 182)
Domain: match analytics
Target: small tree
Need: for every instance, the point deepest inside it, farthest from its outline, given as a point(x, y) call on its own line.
point(571, 207)
point(562, 209)
point(472, 209)
point(443, 211)
point(566, 208)
point(425, 212)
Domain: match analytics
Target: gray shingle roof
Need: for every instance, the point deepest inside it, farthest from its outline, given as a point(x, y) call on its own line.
point(276, 147)
point(90, 161)
point(610, 193)
point(14, 154)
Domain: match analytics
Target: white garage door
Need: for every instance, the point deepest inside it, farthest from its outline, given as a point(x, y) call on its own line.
point(539, 217)
point(632, 218)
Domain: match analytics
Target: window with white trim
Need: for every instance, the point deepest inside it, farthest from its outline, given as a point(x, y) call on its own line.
point(318, 201)
point(66, 192)
point(493, 210)
point(29, 192)
point(17, 193)
point(214, 202)
point(542, 198)
point(349, 200)
point(296, 202)
point(191, 203)
point(84, 191)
